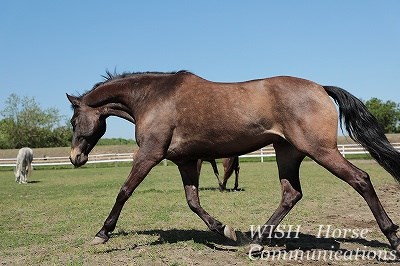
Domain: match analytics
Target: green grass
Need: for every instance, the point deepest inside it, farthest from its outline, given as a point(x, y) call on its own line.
point(53, 219)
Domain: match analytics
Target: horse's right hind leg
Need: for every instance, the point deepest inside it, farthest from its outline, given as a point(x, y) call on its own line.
point(332, 160)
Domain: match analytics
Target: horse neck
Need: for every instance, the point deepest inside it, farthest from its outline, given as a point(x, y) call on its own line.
point(112, 100)
point(128, 98)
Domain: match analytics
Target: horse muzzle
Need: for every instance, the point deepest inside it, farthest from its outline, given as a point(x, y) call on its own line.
point(78, 158)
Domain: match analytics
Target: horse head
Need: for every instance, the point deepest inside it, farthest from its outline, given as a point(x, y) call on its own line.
point(89, 125)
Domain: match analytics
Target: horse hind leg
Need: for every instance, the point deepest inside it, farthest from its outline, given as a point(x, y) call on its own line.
point(216, 173)
point(226, 163)
point(230, 165)
point(332, 160)
point(30, 168)
point(288, 159)
point(237, 169)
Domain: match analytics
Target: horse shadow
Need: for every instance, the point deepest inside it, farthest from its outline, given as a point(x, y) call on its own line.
point(310, 242)
point(370, 249)
point(304, 242)
point(33, 182)
point(173, 236)
point(217, 189)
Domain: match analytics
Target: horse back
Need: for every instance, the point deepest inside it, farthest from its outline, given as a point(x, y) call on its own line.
point(229, 119)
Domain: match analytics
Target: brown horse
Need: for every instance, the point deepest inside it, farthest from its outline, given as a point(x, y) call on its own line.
point(182, 117)
point(230, 165)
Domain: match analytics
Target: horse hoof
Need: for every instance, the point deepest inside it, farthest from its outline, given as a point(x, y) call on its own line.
point(230, 233)
point(98, 240)
point(254, 249)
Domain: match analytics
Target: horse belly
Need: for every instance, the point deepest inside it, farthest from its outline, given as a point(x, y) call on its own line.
point(202, 146)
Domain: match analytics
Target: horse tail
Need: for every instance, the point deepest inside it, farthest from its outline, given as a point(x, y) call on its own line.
point(363, 128)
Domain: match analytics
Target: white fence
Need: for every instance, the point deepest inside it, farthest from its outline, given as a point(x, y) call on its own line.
point(54, 161)
point(345, 149)
point(268, 151)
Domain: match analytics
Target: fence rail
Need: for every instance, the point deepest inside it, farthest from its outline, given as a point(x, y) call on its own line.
point(345, 149)
point(268, 151)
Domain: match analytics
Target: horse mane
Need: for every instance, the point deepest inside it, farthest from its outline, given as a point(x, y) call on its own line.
point(108, 77)
point(113, 76)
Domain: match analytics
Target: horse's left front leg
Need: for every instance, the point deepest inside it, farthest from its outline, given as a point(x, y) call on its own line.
point(141, 167)
point(190, 180)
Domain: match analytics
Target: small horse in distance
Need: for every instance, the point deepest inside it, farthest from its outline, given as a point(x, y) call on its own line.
point(182, 117)
point(23, 166)
point(230, 165)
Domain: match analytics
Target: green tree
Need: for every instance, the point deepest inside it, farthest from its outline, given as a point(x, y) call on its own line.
point(387, 113)
point(26, 124)
point(4, 136)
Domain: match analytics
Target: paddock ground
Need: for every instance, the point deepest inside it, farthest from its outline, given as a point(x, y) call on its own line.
point(52, 219)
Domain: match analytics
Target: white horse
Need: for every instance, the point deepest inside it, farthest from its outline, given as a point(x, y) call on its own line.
point(23, 167)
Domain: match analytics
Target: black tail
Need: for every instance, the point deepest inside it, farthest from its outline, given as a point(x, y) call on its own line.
point(363, 128)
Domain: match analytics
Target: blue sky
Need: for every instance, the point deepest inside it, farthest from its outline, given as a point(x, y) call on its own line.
point(49, 48)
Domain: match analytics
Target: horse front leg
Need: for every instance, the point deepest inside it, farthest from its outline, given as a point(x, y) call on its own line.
point(190, 180)
point(26, 174)
point(142, 166)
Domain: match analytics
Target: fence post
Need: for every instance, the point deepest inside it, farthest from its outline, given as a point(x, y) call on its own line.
point(261, 153)
point(165, 162)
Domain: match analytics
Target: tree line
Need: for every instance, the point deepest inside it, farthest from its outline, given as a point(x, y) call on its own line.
point(24, 123)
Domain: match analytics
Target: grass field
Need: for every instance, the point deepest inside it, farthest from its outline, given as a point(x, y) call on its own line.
point(52, 220)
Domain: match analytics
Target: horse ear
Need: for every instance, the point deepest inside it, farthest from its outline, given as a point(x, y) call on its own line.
point(73, 100)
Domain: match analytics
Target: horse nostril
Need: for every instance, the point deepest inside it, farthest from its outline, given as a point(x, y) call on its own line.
point(75, 159)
